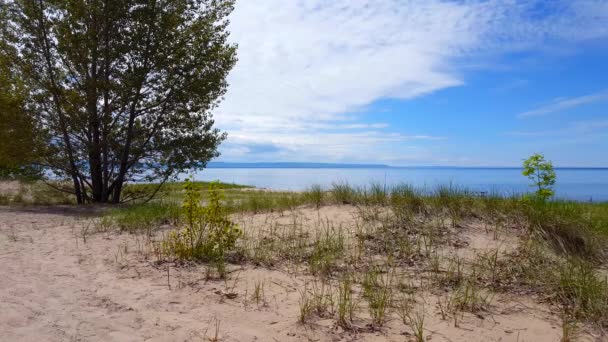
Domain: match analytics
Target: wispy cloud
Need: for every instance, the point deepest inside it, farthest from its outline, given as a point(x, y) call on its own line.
point(573, 129)
point(566, 103)
point(314, 65)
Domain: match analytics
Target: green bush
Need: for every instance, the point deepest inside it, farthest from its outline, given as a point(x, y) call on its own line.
point(208, 233)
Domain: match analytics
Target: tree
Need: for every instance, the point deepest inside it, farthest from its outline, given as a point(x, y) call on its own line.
point(18, 132)
point(124, 89)
point(541, 172)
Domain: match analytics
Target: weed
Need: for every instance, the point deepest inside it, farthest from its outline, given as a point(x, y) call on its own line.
point(259, 295)
point(416, 321)
point(468, 297)
point(582, 292)
point(343, 193)
point(141, 217)
point(378, 292)
point(569, 329)
point(314, 195)
point(306, 305)
point(322, 299)
point(208, 233)
point(216, 331)
point(404, 305)
point(328, 248)
point(346, 304)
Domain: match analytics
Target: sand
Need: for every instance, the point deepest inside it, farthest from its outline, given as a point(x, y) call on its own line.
point(59, 282)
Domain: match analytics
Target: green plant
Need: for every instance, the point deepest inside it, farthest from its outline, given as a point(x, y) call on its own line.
point(566, 225)
point(305, 305)
point(581, 291)
point(379, 293)
point(322, 298)
point(541, 172)
point(407, 203)
point(416, 321)
point(404, 306)
point(469, 297)
point(376, 195)
point(259, 294)
point(328, 248)
point(314, 195)
point(208, 232)
point(343, 193)
point(142, 217)
point(569, 328)
point(346, 304)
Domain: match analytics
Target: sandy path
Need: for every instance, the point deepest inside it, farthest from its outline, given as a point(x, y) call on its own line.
point(56, 287)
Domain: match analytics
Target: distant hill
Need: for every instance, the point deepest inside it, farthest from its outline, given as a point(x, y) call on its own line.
point(228, 165)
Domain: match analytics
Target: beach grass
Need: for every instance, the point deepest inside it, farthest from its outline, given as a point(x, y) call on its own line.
point(403, 227)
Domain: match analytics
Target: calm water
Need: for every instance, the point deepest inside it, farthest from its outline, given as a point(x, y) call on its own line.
point(576, 184)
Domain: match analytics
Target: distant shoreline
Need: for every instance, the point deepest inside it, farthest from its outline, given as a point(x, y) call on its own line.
point(295, 165)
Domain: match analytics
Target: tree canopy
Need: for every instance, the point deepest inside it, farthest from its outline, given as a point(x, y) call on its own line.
point(121, 90)
point(18, 133)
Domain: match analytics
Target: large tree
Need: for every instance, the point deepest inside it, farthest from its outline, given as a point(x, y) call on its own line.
point(18, 134)
point(123, 89)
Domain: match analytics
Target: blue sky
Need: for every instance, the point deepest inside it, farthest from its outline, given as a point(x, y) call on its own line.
point(430, 82)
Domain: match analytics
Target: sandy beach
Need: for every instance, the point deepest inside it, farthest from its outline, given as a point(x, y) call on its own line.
point(62, 283)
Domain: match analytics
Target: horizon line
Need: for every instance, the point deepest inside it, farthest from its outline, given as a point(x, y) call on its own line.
point(375, 165)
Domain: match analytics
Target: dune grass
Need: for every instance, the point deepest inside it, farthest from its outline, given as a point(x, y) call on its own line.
point(572, 228)
point(402, 228)
point(38, 193)
point(142, 217)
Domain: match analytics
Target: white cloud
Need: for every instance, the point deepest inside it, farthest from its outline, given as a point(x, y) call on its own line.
point(567, 103)
point(313, 65)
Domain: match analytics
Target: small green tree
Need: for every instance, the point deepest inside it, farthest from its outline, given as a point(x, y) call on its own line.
point(541, 172)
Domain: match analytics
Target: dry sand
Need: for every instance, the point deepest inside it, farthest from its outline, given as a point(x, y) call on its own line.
point(58, 283)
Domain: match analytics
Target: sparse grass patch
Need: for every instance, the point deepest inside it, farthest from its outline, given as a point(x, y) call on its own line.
point(469, 297)
point(567, 226)
point(305, 305)
point(142, 217)
point(378, 290)
point(347, 305)
point(415, 319)
point(328, 248)
point(582, 292)
point(38, 193)
point(314, 195)
point(343, 193)
point(259, 294)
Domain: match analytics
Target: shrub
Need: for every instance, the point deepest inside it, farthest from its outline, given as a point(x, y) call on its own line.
point(208, 233)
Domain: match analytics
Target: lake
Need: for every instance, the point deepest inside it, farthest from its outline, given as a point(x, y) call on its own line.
point(572, 183)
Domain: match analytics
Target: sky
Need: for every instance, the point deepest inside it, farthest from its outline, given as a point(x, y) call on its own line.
point(418, 82)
